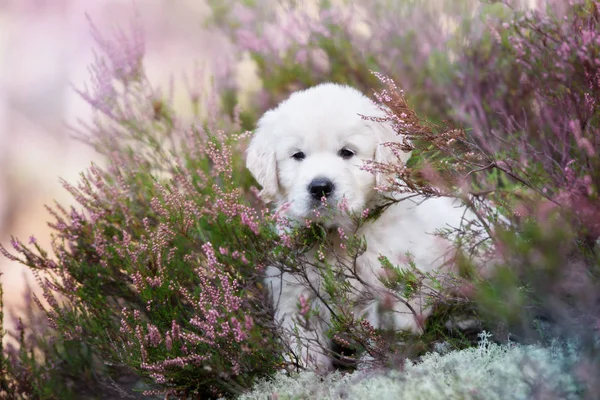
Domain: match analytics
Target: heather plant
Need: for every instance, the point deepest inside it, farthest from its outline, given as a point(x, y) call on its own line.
point(541, 260)
point(38, 363)
point(298, 44)
point(157, 271)
point(527, 169)
point(157, 267)
point(334, 298)
point(534, 119)
point(21, 374)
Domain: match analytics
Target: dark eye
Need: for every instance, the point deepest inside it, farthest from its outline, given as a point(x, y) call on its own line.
point(345, 153)
point(298, 156)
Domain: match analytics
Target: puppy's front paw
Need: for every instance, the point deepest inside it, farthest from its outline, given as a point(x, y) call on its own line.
point(319, 361)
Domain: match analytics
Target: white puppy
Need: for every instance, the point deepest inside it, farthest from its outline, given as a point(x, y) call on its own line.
point(312, 146)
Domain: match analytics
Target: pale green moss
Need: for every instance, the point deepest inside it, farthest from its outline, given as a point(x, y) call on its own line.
point(489, 371)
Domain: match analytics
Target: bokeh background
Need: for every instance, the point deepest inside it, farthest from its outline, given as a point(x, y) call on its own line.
point(45, 49)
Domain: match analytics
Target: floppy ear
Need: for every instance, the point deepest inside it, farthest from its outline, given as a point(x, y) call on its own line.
point(260, 158)
point(383, 154)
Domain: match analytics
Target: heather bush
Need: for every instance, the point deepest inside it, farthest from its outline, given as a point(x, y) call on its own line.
point(298, 44)
point(21, 374)
point(157, 272)
point(157, 267)
point(534, 120)
point(39, 363)
point(527, 167)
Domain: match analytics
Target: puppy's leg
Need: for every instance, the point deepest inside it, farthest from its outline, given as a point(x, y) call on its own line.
point(303, 332)
point(410, 318)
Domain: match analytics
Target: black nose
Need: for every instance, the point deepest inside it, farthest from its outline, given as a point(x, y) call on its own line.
point(320, 187)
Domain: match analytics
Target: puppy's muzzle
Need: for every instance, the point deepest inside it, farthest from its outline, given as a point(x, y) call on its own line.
point(320, 187)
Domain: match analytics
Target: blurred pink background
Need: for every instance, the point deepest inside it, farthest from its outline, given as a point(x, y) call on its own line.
point(45, 47)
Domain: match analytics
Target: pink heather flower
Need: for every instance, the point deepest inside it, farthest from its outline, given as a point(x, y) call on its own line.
point(154, 281)
point(125, 328)
point(279, 217)
point(175, 330)
point(243, 14)
point(238, 330)
point(20, 325)
point(320, 255)
point(286, 240)
point(343, 237)
point(248, 322)
point(251, 222)
point(249, 40)
point(158, 378)
point(236, 369)
point(168, 342)
point(303, 305)
point(125, 52)
point(324, 201)
point(301, 56)
point(343, 205)
point(153, 337)
point(210, 254)
point(138, 281)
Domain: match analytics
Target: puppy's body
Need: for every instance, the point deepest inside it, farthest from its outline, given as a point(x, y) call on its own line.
point(311, 146)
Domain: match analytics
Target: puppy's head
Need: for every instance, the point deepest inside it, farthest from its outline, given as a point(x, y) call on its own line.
point(312, 146)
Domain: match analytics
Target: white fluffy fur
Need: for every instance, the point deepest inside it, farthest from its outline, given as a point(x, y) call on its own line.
point(319, 122)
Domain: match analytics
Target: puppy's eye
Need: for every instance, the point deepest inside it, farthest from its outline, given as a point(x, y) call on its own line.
point(345, 153)
point(298, 156)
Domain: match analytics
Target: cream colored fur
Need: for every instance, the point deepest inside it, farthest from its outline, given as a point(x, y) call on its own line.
point(319, 122)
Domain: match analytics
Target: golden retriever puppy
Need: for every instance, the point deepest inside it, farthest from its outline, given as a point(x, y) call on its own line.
point(312, 147)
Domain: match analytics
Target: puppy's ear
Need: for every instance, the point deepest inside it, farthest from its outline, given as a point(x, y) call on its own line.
point(383, 154)
point(260, 158)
